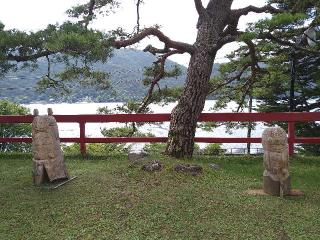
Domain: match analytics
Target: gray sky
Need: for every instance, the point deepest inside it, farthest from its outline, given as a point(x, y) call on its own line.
point(179, 23)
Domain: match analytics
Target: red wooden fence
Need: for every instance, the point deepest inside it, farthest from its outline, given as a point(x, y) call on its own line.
point(291, 118)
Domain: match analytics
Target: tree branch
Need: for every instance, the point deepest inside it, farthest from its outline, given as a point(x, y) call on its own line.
point(199, 6)
point(157, 33)
point(265, 9)
point(253, 64)
point(230, 80)
point(49, 67)
point(253, 55)
point(25, 58)
point(154, 50)
point(290, 44)
point(86, 19)
point(225, 40)
point(158, 77)
point(138, 14)
point(308, 108)
point(90, 13)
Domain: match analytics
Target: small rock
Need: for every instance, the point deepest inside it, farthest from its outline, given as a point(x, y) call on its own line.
point(135, 156)
point(152, 166)
point(215, 166)
point(187, 168)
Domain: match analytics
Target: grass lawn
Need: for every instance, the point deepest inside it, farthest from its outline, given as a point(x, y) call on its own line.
point(110, 200)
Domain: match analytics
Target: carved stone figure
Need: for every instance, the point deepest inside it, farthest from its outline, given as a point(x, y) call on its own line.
point(48, 163)
point(276, 180)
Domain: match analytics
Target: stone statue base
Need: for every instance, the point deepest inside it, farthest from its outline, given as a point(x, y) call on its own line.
point(272, 187)
point(45, 172)
point(39, 173)
point(260, 192)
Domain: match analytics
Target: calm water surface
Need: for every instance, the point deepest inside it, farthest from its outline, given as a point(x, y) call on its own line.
point(94, 129)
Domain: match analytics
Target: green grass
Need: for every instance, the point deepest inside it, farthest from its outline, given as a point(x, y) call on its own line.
point(110, 200)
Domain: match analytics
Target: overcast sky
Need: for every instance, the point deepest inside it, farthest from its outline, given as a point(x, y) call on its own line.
point(177, 17)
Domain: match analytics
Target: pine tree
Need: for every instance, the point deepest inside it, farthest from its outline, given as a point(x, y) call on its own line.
point(262, 68)
point(78, 47)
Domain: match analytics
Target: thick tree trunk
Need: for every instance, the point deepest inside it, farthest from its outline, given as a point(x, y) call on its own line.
point(184, 116)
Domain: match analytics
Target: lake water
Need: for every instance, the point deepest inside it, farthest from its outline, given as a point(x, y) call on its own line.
point(94, 129)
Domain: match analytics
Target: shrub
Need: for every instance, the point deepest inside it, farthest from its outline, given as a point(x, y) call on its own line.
point(123, 132)
point(213, 149)
point(157, 148)
point(14, 130)
point(97, 149)
point(154, 148)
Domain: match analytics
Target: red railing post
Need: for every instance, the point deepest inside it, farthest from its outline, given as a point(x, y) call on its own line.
point(291, 137)
point(82, 126)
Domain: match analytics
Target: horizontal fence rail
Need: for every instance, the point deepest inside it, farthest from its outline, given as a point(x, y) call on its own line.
point(290, 118)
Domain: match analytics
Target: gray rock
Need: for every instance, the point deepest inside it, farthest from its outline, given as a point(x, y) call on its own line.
point(187, 168)
point(152, 166)
point(215, 166)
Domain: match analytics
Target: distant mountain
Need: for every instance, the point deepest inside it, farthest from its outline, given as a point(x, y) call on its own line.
point(126, 72)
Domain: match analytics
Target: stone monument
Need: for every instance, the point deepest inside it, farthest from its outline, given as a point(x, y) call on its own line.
point(48, 162)
point(276, 180)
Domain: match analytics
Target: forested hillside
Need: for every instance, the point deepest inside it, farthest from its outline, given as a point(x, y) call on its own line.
point(126, 69)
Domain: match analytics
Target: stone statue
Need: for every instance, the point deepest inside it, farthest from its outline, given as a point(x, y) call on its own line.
point(48, 163)
point(276, 180)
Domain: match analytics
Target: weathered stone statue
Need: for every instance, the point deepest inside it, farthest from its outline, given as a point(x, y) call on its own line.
point(276, 179)
point(48, 163)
